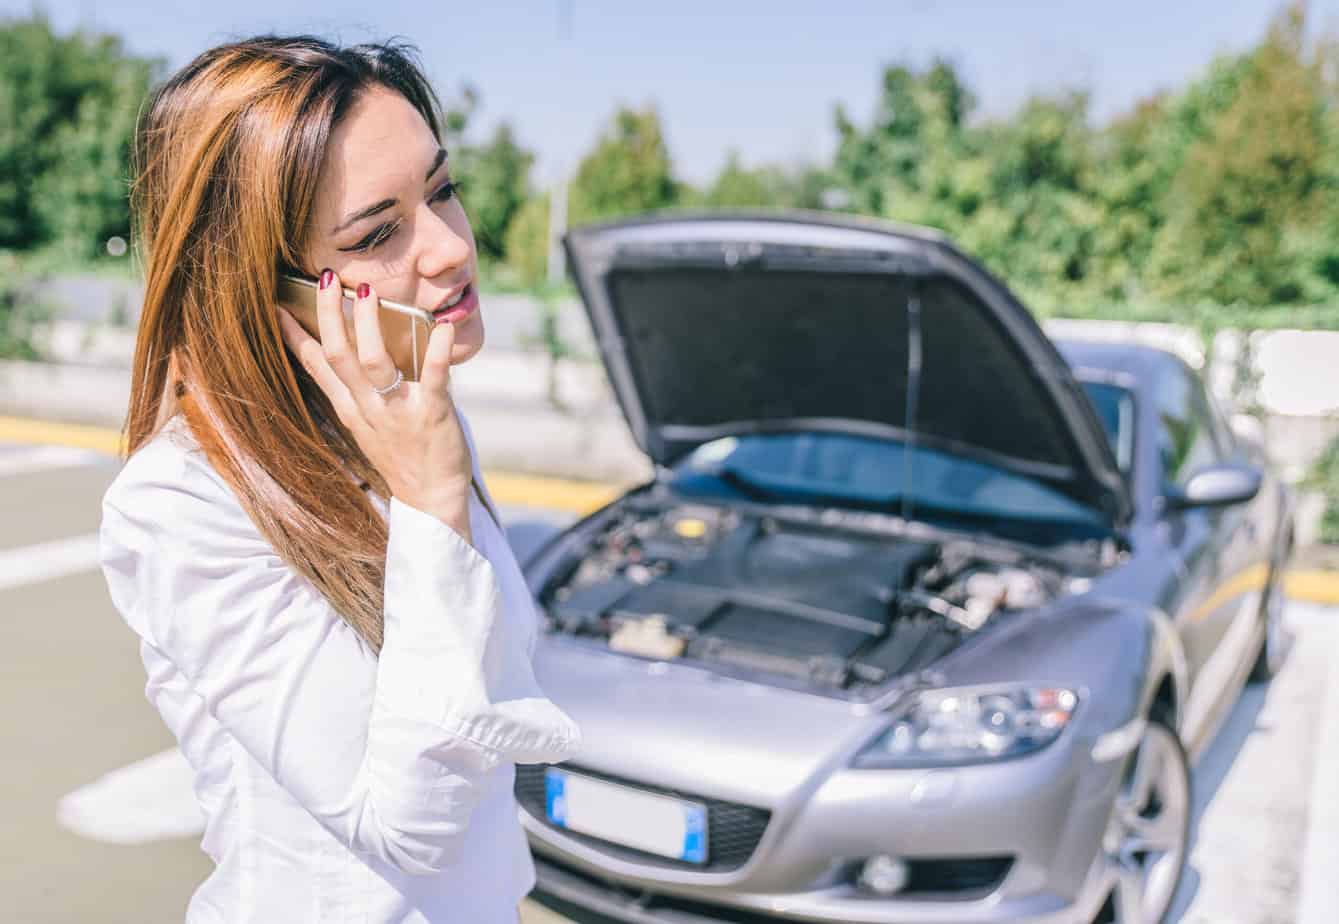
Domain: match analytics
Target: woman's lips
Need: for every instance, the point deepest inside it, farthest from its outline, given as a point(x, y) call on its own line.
point(468, 304)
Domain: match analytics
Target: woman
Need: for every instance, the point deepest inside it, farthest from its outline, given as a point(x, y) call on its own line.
point(332, 623)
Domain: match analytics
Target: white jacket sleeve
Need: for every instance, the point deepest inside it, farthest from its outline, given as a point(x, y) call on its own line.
point(390, 754)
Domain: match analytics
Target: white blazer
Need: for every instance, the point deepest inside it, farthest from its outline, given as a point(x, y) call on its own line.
point(337, 786)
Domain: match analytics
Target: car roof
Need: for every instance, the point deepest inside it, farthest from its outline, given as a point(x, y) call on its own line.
point(1139, 361)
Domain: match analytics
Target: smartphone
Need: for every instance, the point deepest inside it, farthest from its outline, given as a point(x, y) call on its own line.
point(301, 292)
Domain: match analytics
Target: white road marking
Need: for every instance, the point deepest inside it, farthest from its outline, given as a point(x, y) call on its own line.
point(40, 458)
point(149, 800)
point(1319, 899)
point(31, 564)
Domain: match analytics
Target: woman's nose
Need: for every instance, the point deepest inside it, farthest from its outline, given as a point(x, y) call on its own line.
point(443, 248)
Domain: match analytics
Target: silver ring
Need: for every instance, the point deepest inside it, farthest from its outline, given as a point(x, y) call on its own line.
point(399, 380)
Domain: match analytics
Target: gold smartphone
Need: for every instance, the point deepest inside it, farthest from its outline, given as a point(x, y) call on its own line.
point(301, 293)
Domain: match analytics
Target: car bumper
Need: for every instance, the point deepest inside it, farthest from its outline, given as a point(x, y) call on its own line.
point(1047, 813)
point(823, 907)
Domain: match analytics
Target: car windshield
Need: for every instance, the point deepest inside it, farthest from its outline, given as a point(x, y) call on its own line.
point(870, 473)
point(1115, 409)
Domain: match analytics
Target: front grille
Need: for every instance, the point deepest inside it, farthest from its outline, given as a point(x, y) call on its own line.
point(733, 830)
point(956, 875)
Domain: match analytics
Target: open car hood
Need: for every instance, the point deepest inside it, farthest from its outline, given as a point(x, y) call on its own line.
point(726, 324)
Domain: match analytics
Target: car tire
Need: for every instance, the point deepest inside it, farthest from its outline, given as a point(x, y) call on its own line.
point(1157, 816)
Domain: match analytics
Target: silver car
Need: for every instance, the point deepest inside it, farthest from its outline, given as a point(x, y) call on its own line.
point(921, 615)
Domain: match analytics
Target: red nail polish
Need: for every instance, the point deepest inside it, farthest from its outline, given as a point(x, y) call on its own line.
point(363, 289)
point(326, 276)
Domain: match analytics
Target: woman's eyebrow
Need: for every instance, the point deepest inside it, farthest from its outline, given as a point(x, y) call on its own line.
point(365, 213)
point(436, 162)
point(388, 203)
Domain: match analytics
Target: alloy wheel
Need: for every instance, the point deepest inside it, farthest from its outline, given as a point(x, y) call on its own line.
point(1147, 838)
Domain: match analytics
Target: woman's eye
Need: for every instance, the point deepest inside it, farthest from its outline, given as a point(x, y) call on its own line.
point(446, 191)
point(379, 235)
point(383, 233)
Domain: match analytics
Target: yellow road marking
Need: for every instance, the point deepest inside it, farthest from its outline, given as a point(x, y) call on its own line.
point(570, 496)
point(578, 497)
point(51, 433)
point(1313, 586)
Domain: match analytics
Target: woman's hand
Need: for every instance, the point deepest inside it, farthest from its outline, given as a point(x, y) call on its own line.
point(411, 434)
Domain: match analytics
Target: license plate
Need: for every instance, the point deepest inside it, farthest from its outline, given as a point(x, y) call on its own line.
point(662, 825)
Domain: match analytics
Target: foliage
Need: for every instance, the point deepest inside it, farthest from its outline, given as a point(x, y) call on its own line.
point(549, 337)
point(1226, 193)
point(494, 176)
point(1324, 477)
point(67, 112)
point(527, 242)
point(21, 315)
point(768, 186)
point(1253, 179)
point(495, 183)
point(1213, 204)
point(627, 172)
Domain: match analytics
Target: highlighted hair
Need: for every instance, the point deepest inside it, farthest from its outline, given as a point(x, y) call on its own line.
point(226, 158)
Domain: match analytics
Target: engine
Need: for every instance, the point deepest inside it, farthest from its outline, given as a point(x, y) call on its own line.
point(836, 607)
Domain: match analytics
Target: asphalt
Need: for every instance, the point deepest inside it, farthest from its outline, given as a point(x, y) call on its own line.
point(73, 684)
point(71, 677)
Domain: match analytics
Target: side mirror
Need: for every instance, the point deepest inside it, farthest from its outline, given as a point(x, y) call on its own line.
point(1220, 485)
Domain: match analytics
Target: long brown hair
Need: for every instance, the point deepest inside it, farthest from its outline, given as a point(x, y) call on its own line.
point(226, 158)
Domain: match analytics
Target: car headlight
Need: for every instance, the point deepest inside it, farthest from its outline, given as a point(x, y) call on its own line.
point(967, 726)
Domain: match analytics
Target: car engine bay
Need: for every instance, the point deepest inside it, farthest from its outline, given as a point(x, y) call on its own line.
point(841, 608)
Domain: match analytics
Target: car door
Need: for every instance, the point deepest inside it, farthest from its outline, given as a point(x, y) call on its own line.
point(1218, 548)
point(1186, 441)
point(1251, 531)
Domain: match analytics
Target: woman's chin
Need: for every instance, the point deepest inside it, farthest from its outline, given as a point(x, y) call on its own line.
point(468, 343)
point(464, 352)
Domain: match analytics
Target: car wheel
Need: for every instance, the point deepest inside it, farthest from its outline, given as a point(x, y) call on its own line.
point(1148, 837)
point(1274, 645)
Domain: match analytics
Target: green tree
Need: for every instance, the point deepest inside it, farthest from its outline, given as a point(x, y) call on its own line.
point(627, 172)
point(768, 186)
point(1014, 192)
point(67, 112)
point(917, 131)
point(1036, 218)
point(527, 242)
point(1242, 205)
point(1137, 158)
point(738, 186)
point(1226, 191)
point(496, 183)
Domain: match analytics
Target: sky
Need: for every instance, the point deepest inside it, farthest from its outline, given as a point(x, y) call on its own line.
point(759, 77)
